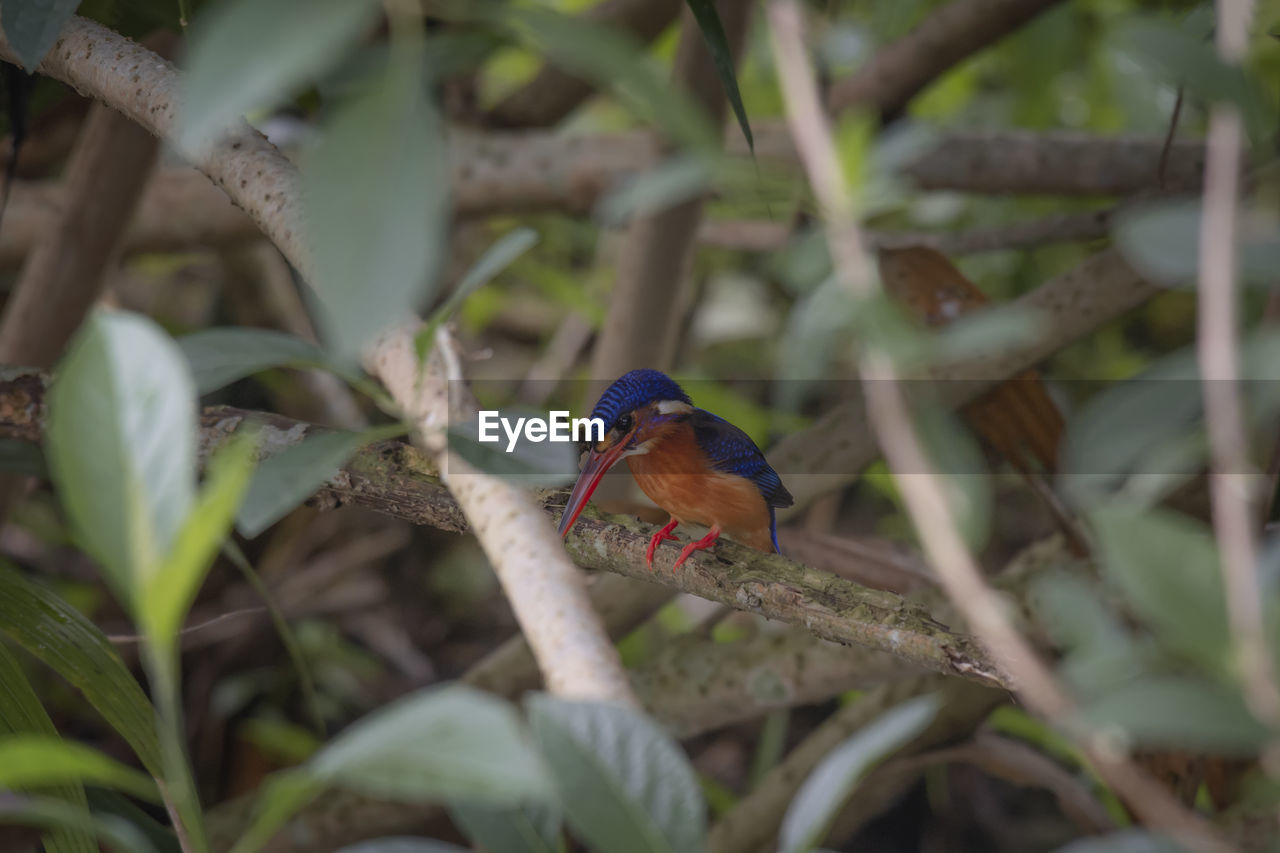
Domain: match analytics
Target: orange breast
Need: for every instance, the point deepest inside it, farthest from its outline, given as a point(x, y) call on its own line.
point(676, 475)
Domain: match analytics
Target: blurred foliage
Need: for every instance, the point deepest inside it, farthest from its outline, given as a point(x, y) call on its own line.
point(1145, 646)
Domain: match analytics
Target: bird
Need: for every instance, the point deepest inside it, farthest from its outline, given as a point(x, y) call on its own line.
point(696, 466)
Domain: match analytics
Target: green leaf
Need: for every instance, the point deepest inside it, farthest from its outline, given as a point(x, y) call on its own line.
point(59, 816)
point(613, 60)
point(219, 357)
point(1142, 435)
point(495, 259)
point(986, 333)
point(21, 712)
point(443, 742)
point(32, 26)
point(403, 845)
point(281, 796)
point(58, 634)
point(544, 464)
point(1182, 59)
point(1125, 841)
point(285, 480)
point(167, 595)
point(529, 829)
point(1166, 564)
point(1102, 655)
point(625, 785)
point(248, 54)
point(1162, 241)
point(376, 207)
point(1178, 713)
point(832, 782)
point(958, 457)
point(704, 12)
point(35, 760)
point(121, 444)
point(667, 184)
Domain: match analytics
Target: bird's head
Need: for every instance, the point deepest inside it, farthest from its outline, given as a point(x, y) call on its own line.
point(635, 410)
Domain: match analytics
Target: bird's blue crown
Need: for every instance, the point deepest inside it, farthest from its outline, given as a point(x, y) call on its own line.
point(633, 390)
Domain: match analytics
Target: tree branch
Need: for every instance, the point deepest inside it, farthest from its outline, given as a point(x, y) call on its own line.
point(1058, 163)
point(104, 65)
point(948, 36)
point(397, 480)
point(66, 270)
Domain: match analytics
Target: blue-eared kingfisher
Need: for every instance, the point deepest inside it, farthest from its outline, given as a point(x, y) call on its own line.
point(698, 467)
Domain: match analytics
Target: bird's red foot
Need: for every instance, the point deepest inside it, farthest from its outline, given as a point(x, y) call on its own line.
point(702, 544)
point(664, 533)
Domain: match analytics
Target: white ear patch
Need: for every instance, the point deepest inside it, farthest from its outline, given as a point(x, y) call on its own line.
point(674, 407)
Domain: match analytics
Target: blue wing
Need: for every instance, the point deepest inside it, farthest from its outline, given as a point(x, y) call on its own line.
point(732, 451)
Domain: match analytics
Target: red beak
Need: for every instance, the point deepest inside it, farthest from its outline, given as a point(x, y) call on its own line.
point(598, 463)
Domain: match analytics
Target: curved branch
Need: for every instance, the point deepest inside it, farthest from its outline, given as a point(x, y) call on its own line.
point(951, 34)
point(104, 65)
point(546, 591)
point(397, 480)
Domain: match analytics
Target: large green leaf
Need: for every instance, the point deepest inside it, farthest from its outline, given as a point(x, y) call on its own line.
point(247, 54)
point(58, 634)
point(495, 259)
point(1178, 713)
point(1162, 241)
point(447, 742)
point(59, 816)
point(166, 596)
point(1166, 565)
point(704, 12)
point(1102, 655)
point(21, 712)
point(376, 206)
point(32, 26)
point(613, 60)
point(219, 357)
point(529, 829)
point(281, 795)
point(121, 443)
point(36, 760)
point(1185, 59)
point(832, 782)
point(287, 479)
point(625, 785)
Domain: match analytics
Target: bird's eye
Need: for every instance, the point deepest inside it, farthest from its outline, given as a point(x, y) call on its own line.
point(624, 424)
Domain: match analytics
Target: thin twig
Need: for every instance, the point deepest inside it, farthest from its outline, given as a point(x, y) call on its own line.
point(1230, 477)
point(923, 490)
point(129, 639)
point(1168, 138)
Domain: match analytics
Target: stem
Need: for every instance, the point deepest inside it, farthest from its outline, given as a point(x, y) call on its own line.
point(1217, 348)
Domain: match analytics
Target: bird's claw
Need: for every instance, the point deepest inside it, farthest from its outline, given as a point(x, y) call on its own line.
point(701, 545)
point(664, 533)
